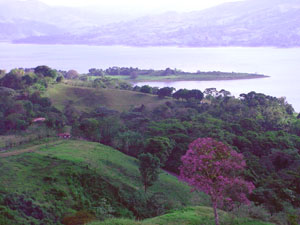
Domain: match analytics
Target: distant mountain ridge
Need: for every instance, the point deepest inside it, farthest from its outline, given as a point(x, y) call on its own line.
point(245, 23)
point(30, 18)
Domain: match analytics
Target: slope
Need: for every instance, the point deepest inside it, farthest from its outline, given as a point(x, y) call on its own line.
point(242, 23)
point(87, 99)
point(187, 216)
point(62, 178)
point(246, 23)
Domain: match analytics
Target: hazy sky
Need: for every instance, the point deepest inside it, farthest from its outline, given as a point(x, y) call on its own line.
point(176, 5)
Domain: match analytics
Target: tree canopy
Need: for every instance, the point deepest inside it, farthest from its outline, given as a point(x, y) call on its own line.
point(149, 169)
point(214, 168)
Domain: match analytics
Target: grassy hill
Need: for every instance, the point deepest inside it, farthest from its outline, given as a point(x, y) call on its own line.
point(187, 216)
point(64, 177)
point(86, 99)
point(67, 181)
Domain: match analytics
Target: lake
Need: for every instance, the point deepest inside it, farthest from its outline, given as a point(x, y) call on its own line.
point(282, 65)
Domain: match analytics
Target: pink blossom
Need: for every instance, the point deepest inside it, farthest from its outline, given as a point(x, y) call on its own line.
point(214, 168)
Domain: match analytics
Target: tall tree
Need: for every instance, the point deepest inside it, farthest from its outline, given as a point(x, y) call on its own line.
point(165, 91)
point(149, 169)
point(214, 168)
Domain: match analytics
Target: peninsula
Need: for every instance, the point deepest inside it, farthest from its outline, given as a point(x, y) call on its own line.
point(134, 75)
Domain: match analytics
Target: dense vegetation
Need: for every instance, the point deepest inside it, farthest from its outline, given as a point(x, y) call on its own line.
point(263, 128)
point(63, 180)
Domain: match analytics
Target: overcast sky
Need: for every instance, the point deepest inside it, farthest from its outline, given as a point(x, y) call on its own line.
point(143, 5)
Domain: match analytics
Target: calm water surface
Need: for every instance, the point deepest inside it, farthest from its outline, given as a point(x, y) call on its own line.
point(282, 65)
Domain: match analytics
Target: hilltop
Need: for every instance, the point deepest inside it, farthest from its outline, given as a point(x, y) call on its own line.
point(88, 99)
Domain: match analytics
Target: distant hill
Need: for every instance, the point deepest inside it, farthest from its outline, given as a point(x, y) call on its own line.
point(245, 23)
point(30, 18)
point(24, 28)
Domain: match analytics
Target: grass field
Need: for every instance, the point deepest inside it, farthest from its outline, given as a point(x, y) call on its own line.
point(187, 216)
point(87, 99)
point(60, 178)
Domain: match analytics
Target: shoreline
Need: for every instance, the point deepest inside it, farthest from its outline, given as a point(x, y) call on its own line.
point(196, 79)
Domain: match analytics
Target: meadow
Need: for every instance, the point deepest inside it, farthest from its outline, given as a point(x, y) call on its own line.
point(87, 99)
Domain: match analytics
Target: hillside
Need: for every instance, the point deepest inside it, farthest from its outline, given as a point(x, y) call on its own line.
point(27, 18)
point(64, 177)
point(57, 179)
point(48, 180)
point(87, 99)
point(245, 23)
point(187, 216)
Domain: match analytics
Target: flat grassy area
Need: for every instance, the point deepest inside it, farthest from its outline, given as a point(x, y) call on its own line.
point(87, 99)
point(55, 179)
point(187, 216)
point(191, 77)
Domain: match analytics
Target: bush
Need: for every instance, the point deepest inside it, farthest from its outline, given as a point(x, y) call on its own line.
point(146, 89)
point(252, 211)
point(79, 218)
point(57, 193)
point(104, 210)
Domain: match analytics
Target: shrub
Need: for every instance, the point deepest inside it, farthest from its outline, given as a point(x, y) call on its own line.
point(253, 211)
point(79, 218)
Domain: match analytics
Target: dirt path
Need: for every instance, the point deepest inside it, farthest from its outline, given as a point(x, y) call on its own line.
point(30, 149)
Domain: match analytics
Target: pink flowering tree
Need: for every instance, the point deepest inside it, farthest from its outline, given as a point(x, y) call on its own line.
point(214, 168)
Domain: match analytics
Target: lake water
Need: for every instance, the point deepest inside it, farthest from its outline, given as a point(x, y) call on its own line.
point(282, 65)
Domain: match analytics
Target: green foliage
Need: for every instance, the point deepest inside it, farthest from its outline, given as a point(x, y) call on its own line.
point(79, 218)
point(261, 127)
point(146, 89)
point(181, 94)
point(96, 72)
point(129, 142)
point(109, 127)
point(160, 147)
point(13, 80)
point(45, 71)
point(149, 168)
point(164, 92)
point(66, 177)
point(254, 125)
